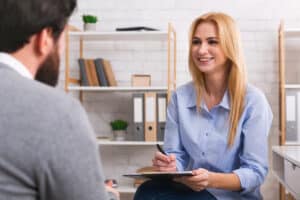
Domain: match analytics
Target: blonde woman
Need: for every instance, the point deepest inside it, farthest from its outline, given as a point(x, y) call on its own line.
point(217, 125)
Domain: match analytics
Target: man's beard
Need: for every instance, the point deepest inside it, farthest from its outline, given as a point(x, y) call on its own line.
point(49, 70)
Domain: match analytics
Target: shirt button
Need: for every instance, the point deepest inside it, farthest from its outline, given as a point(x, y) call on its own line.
point(206, 134)
point(203, 154)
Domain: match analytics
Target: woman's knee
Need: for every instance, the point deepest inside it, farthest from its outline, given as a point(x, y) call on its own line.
point(145, 191)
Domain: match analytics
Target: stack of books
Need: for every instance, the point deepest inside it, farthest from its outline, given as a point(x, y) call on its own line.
point(96, 72)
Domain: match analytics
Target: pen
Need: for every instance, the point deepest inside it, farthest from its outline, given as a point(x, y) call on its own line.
point(160, 149)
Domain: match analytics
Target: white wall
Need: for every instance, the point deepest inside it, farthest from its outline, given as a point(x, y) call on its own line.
point(258, 21)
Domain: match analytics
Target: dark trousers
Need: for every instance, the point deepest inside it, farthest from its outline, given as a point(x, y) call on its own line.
point(169, 190)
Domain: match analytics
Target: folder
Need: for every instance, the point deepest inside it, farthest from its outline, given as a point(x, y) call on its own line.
point(161, 104)
point(138, 116)
point(150, 116)
point(291, 115)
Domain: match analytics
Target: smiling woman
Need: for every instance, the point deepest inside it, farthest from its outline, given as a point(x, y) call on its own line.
point(216, 117)
point(206, 50)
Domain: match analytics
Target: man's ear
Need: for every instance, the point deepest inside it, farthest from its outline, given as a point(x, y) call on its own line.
point(44, 42)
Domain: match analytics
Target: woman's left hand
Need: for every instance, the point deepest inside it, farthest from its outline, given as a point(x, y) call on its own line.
point(199, 181)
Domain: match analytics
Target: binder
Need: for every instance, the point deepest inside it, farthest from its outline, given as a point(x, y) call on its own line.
point(161, 102)
point(150, 116)
point(138, 116)
point(291, 115)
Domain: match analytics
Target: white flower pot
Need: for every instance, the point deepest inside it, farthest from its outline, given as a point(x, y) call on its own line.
point(119, 135)
point(90, 26)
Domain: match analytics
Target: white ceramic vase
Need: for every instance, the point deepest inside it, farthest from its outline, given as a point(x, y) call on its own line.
point(90, 27)
point(119, 135)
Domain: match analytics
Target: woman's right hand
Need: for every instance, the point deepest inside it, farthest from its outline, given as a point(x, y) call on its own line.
point(164, 163)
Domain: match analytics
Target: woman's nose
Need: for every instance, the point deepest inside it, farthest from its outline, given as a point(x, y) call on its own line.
point(203, 48)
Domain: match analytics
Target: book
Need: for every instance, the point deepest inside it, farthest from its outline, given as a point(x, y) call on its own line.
point(109, 73)
point(100, 71)
point(83, 75)
point(91, 65)
point(158, 175)
point(136, 28)
point(88, 72)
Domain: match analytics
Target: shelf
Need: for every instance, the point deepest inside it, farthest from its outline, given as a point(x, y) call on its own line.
point(290, 143)
point(126, 189)
point(127, 143)
point(292, 86)
point(123, 35)
point(292, 32)
point(115, 89)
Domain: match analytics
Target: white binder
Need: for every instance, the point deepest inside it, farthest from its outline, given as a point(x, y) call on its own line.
point(161, 102)
point(291, 116)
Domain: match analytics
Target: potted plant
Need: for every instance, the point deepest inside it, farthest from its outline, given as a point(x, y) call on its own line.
point(89, 22)
point(119, 127)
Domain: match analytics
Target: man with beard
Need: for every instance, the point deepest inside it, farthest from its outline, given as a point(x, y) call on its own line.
point(47, 146)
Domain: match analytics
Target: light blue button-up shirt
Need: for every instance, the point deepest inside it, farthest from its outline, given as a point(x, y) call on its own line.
point(199, 139)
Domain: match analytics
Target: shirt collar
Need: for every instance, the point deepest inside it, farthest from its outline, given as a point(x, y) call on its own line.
point(16, 65)
point(191, 100)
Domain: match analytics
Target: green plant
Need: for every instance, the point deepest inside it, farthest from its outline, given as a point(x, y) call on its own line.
point(118, 125)
point(89, 18)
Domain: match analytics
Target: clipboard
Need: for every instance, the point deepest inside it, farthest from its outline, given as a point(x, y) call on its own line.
point(158, 175)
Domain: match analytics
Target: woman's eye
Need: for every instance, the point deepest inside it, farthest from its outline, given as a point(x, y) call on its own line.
point(195, 42)
point(213, 42)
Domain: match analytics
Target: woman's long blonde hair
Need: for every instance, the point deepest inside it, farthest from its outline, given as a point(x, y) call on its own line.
point(230, 43)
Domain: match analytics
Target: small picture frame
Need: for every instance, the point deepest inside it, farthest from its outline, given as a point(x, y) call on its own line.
point(140, 80)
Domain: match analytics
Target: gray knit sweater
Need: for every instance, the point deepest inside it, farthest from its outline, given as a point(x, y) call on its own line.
point(47, 146)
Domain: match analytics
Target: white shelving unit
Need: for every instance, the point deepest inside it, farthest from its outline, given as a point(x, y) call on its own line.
point(73, 84)
point(169, 36)
point(283, 86)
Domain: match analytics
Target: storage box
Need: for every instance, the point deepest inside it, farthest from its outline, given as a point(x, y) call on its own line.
point(140, 80)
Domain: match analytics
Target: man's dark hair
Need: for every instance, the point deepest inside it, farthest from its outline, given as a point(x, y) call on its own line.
point(20, 19)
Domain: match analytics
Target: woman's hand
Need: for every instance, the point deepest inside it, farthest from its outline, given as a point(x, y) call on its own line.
point(199, 181)
point(164, 163)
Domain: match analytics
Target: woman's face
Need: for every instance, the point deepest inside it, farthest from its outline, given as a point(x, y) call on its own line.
point(206, 50)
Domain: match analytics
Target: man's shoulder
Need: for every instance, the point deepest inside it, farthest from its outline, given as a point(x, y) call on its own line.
point(34, 94)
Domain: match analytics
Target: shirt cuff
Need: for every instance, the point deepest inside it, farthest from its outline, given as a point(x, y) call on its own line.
point(244, 175)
